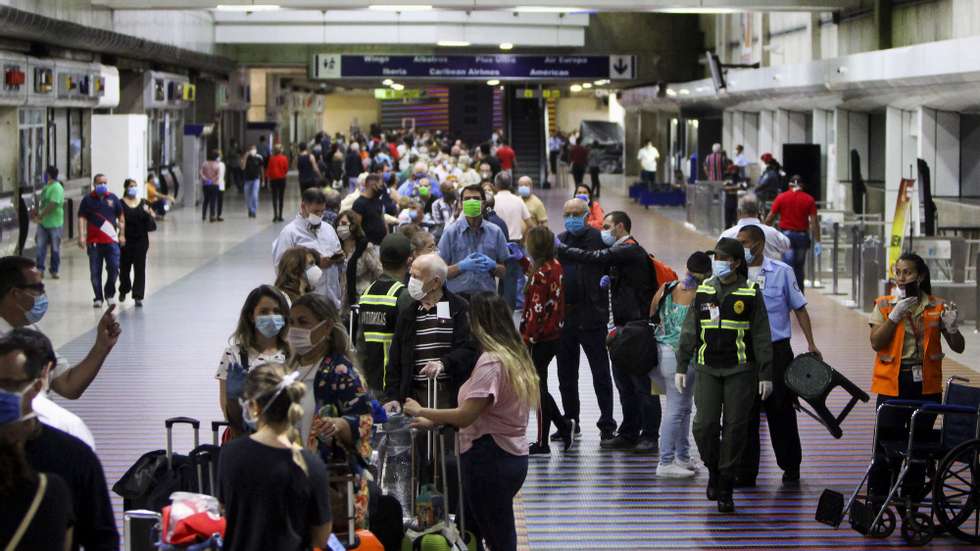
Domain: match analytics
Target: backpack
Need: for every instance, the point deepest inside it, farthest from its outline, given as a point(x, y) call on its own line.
point(668, 288)
point(661, 271)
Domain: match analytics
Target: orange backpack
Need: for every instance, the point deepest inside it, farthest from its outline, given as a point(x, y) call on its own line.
point(663, 272)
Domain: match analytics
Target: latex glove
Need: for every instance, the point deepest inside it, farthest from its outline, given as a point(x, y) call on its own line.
point(950, 317)
point(471, 263)
point(393, 407)
point(516, 253)
point(680, 382)
point(558, 243)
point(487, 264)
point(817, 249)
point(432, 369)
point(765, 389)
point(604, 282)
point(901, 308)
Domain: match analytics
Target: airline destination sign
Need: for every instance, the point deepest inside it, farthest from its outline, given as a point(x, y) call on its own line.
point(475, 67)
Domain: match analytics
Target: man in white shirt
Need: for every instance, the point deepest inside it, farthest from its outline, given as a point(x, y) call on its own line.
point(748, 214)
point(308, 230)
point(648, 156)
point(513, 211)
point(742, 162)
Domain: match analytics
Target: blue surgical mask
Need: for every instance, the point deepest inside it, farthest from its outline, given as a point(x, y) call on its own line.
point(38, 310)
point(608, 238)
point(11, 406)
point(101, 189)
point(270, 325)
point(132, 192)
point(583, 197)
point(748, 255)
point(524, 191)
point(721, 268)
point(574, 224)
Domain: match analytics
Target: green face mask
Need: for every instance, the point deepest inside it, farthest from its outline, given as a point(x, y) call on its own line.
point(423, 191)
point(472, 208)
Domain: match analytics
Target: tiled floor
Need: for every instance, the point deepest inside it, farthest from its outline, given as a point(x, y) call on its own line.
point(200, 273)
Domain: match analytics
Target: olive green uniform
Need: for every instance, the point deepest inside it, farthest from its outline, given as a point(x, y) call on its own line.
point(726, 334)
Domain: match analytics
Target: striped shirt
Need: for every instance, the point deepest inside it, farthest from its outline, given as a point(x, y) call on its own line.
point(433, 341)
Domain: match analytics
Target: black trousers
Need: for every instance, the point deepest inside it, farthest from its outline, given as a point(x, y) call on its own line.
point(553, 161)
point(578, 174)
point(133, 257)
point(278, 194)
point(210, 203)
point(594, 178)
point(593, 342)
point(781, 416)
point(541, 354)
point(895, 424)
point(731, 209)
point(221, 202)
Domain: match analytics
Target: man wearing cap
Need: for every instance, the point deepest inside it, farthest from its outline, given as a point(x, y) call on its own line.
point(726, 334)
point(378, 310)
point(797, 212)
point(782, 295)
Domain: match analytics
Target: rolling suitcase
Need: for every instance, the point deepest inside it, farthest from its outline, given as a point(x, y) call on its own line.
point(141, 529)
point(157, 474)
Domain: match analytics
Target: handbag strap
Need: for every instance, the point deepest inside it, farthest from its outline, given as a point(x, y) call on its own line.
point(42, 485)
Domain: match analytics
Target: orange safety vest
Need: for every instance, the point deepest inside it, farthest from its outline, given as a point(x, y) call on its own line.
point(888, 361)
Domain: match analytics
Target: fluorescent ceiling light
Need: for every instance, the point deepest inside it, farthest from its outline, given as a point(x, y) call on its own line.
point(575, 88)
point(397, 86)
point(547, 9)
point(387, 82)
point(400, 7)
point(453, 43)
point(694, 10)
point(506, 46)
point(246, 7)
point(602, 82)
point(493, 82)
point(685, 91)
point(671, 92)
point(586, 85)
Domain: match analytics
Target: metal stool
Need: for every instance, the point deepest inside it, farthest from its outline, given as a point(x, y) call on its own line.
point(813, 380)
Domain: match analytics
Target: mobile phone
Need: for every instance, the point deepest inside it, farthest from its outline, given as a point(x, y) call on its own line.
point(911, 289)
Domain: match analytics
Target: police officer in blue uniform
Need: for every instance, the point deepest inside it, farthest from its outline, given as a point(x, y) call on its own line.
point(782, 294)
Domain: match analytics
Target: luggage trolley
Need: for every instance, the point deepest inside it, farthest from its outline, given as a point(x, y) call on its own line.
point(950, 498)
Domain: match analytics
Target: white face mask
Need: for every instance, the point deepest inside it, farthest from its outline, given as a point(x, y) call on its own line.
point(313, 275)
point(301, 340)
point(415, 288)
point(314, 219)
point(343, 232)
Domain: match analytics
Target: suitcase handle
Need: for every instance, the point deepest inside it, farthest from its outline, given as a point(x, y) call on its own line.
point(215, 427)
point(182, 421)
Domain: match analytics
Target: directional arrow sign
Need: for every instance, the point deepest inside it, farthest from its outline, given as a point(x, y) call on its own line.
point(622, 67)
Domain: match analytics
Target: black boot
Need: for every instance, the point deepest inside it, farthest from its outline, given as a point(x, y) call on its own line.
point(725, 489)
point(712, 490)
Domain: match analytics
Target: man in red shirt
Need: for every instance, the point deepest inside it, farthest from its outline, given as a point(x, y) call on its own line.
point(797, 211)
point(506, 156)
point(578, 156)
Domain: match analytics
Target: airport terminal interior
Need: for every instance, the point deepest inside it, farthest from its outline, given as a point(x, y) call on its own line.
point(492, 199)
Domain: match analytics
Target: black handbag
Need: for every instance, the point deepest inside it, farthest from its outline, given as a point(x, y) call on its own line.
point(633, 348)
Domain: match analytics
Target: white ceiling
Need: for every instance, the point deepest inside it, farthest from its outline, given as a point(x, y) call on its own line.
point(587, 5)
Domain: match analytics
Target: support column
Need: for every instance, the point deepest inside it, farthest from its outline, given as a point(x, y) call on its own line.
point(823, 134)
point(883, 23)
point(900, 160)
point(764, 58)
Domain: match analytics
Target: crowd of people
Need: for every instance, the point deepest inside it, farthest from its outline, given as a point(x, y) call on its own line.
point(416, 262)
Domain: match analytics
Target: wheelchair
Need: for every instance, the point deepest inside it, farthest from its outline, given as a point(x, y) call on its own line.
point(949, 457)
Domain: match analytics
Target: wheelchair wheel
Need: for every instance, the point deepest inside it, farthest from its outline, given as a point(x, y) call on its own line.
point(956, 493)
point(917, 529)
point(885, 526)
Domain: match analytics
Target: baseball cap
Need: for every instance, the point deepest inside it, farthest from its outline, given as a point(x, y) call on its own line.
point(395, 249)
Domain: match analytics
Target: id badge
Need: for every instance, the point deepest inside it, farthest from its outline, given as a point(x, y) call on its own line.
point(761, 280)
point(442, 310)
point(917, 374)
point(714, 313)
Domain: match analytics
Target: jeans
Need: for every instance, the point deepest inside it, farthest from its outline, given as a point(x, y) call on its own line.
point(252, 196)
point(541, 355)
point(49, 237)
point(799, 242)
point(675, 427)
point(210, 203)
point(593, 341)
point(278, 194)
point(133, 257)
point(491, 479)
point(108, 253)
point(641, 409)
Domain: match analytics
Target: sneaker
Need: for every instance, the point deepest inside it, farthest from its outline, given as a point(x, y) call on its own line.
point(55, 276)
point(688, 464)
point(569, 437)
point(139, 303)
point(619, 442)
point(96, 304)
point(726, 504)
point(606, 435)
point(111, 301)
point(673, 470)
point(122, 297)
point(646, 445)
point(556, 436)
point(539, 449)
point(791, 476)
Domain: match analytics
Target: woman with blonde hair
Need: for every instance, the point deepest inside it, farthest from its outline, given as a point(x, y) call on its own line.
point(288, 506)
point(492, 416)
point(298, 272)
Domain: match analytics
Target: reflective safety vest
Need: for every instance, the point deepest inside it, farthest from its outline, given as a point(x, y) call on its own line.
point(376, 318)
point(725, 340)
point(888, 361)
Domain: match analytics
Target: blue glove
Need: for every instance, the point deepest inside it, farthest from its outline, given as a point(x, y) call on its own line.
point(486, 263)
point(471, 263)
point(516, 253)
point(817, 249)
point(558, 242)
point(604, 282)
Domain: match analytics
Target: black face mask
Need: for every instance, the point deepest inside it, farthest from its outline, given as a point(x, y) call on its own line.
point(912, 289)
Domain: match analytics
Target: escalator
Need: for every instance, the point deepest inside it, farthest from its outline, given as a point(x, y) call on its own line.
point(527, 136)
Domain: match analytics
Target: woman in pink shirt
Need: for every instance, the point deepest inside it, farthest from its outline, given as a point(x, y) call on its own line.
point(492, 417)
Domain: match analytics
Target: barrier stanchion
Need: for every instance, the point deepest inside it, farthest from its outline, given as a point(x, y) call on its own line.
point(835, 258)
point(976, 324)
point(855, 266)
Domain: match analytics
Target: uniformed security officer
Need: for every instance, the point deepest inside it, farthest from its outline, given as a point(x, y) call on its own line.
point(726, 332)
point(782, 294)
point(379, 310)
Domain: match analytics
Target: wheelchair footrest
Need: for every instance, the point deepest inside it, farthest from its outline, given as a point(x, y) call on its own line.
point(830, 508)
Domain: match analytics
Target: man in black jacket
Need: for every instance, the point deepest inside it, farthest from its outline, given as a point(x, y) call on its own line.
point(586, 313)
point(432, 339)
point(632, 283)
